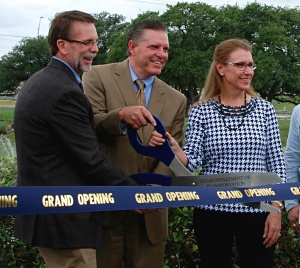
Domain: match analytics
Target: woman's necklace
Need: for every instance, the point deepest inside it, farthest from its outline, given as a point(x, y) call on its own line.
point(243, 114)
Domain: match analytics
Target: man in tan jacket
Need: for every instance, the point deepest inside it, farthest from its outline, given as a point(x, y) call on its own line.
point(132, 239)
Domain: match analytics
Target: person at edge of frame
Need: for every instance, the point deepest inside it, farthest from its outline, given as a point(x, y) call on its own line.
point(57, 146)
point(134, 240)
point(292, 160)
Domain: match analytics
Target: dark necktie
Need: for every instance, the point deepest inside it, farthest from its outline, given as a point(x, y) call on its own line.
point(80, 85)
point(141, 93)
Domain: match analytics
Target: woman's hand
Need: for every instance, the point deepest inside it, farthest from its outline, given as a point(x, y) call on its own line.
point(158, 140)
point(272, 229)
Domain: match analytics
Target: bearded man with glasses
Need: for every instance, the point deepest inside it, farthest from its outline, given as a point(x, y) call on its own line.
point(56, 144)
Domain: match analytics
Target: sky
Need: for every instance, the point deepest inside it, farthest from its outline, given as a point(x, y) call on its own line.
point(30, 18)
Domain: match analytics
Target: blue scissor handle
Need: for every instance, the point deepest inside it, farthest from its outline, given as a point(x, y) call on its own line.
point(162, 153)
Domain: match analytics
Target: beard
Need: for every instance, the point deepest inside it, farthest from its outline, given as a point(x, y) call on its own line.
point(78, 62)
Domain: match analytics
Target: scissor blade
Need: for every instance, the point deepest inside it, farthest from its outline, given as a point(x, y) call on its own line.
point(244, 178)
point(239, 179)
point(178, 168)
point(261, 178)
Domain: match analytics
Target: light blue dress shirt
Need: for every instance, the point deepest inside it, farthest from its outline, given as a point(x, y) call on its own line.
point(148, 85)
point(292, 154)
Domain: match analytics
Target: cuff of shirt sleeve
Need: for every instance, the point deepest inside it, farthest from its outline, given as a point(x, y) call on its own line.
point(123, 127)
point(289, 204)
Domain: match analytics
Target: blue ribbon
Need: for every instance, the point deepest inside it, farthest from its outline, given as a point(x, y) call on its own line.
point(70, 199)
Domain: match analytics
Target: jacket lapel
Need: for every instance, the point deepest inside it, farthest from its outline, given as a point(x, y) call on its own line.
point(157, 100)
point(123, 79)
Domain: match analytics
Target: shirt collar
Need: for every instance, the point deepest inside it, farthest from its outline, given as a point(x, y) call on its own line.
point(72, 69)
point(134, 77)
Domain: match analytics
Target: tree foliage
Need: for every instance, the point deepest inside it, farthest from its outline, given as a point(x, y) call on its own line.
point(191, 28)
point(109, 28)
point(194, 31)
point(29, 56)
point(276, 51)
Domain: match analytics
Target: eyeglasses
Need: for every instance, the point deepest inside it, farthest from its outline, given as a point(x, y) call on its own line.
point(88, 43)
point(242, 65)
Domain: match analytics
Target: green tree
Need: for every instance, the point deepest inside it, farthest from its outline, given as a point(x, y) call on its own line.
point(275, 32)
point(29, 56)
point(194, 31)
point(191, 46)
point(109, 27)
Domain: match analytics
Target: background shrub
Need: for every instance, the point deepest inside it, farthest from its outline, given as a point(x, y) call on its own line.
point(13, 252)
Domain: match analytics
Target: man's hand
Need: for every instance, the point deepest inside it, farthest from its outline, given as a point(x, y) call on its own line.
point(293, 216)
point(136, 116)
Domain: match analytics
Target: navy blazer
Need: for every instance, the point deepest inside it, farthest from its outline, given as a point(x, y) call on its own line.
point(56, 145)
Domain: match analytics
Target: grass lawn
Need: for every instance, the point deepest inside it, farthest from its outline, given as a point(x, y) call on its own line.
point(283, 106)
point(6, 115)
point(284, 125)
point(7, 102)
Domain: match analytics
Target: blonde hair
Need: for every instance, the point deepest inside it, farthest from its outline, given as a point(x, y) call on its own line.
point(213, 82)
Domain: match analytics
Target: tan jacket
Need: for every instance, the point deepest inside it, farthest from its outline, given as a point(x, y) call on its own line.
point(110, 87)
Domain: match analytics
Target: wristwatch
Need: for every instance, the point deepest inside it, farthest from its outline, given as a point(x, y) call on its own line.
point(280, 204)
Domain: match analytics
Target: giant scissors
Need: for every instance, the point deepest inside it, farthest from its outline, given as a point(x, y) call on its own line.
point(183, 177)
